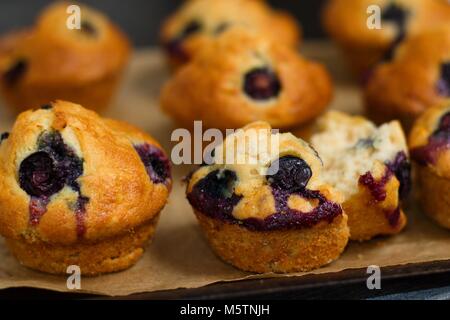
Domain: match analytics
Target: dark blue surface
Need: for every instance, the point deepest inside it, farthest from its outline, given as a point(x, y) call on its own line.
point(141, 19)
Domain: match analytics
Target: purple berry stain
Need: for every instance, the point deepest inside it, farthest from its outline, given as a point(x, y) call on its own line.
point(376, 188)
point(214, 196)
point(175, 46)
point(47, 171)
point(262, 84)
point(80, 213)
point(15, 72)
point(88, 28)
point(156, 163)
point(437, 142)
point(47, 106)
point(4, 136)
point(397, 15)
point(401, 168)
point(443, 84)
point(38, 207)
point(393, 217)
point(289, 173)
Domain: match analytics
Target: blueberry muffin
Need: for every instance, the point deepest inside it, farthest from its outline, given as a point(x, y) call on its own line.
point(417, 78)
point(50, 61)
point(79, 190)
point(346, 22)
point(429, 142)
point(244, 77)
point(370, 167)
point(265, 208)
point(198, 22)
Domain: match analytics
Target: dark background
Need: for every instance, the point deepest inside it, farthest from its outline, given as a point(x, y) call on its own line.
point(141, 19)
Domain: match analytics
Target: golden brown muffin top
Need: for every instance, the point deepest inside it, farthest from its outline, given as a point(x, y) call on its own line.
point(243, 77)
point(264, 181)
point(68, 175)
point(417, 77)
point(199, 21)
point(346, 20)
point(429, 139)
point(50, 52)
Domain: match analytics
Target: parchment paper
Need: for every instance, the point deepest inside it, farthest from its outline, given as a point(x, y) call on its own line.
point(179, 257)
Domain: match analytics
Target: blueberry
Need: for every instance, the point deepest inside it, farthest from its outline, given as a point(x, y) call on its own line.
point(47, 171)
point(175, 48)
point(443, 84)
point(4, 136)
point(191, 28)
point(401, 167)
point(68, 164)
point(222, 27)
point(15, 72)
point(156, 163)
point(390, 53)
point(444, 124)
point(47, 106)
point(88, 28)
point(39, 176)
point(442, 134)
point(262, 84)
point(396, 14)
point(214, 194)
point(219, 184)
point(289, 173)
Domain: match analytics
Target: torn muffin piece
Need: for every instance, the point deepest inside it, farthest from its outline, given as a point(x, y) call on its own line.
point(370, 166)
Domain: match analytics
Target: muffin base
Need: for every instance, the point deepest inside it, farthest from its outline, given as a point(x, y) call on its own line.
point(110, 255)
point(276, 251)
point(367, 220)
point(95, 95)
point(435, 196)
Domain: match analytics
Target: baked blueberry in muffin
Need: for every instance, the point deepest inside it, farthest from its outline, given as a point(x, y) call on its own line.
point(347, 23)
point(50, 61)
point(243, 76)
point(271, 212)
point(416, 79)
point(198, 22)
point(79, 190)
point(429, 142)
point(370, 166)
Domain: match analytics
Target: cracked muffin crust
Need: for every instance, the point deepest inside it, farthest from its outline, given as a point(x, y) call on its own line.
point(346, 22)
point(271, 211)
point(79, 190)
point(370, 167)
point(429, 142)
point(244, 77)
point(417, 78)
point(49, 61)
point(198, 22)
